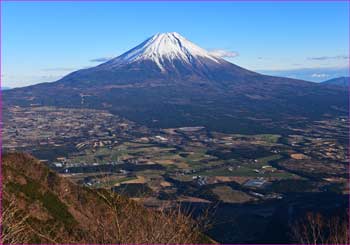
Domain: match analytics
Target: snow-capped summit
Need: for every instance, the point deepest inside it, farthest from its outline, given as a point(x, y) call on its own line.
point(163, 58)
point(164, 49)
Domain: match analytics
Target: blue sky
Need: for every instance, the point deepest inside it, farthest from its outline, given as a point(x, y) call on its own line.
point(42, 41)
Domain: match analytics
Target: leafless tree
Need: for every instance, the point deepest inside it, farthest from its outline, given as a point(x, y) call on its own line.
point(318, 229)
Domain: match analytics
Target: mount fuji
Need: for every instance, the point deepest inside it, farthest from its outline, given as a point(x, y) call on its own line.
point(168, 81)
point(165, 56)
point(167, 51)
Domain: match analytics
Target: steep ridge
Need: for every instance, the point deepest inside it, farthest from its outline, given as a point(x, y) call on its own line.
point(41, 207)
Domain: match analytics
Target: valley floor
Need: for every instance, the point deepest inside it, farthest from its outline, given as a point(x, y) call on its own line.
point(262, 177)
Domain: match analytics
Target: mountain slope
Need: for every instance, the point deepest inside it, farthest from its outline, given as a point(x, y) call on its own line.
point(339, 81)
point(41, 207)
point(165, 58)
point(167, 81)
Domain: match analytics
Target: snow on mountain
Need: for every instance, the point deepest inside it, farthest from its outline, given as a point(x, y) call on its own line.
point(164, 57)
point(164, 48)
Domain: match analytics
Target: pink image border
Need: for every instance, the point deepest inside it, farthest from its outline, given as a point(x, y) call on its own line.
point(135, 1)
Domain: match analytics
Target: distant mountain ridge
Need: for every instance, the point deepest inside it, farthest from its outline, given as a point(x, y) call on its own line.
point(167, 81)
point(339, 81)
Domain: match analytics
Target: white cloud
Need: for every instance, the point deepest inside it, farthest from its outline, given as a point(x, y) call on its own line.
point(59, 69)
point(15, 81)
point(309, 74)
point(101, 59)
point(224, 53)
point(320, 75)
point(337, 57)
